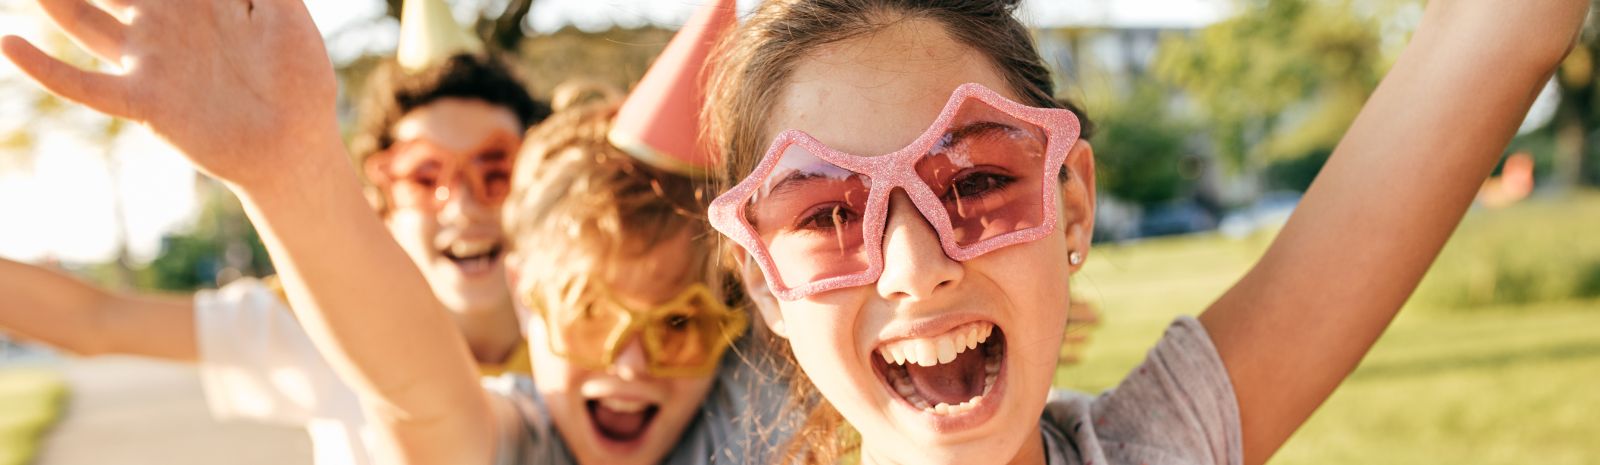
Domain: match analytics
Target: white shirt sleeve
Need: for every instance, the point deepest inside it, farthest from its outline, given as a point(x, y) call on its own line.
point(256, 363)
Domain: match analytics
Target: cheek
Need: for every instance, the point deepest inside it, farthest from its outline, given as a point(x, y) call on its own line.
point(414, 231)
point(555, 374)
point(684, 395)
point(1033, 277)
point(823, 338)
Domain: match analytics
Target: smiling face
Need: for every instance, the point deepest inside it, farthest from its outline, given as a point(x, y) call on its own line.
point(622, 414)
point(980, 336)
point(453, 234)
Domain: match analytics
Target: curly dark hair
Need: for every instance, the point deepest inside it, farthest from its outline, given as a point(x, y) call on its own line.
point(392, 92)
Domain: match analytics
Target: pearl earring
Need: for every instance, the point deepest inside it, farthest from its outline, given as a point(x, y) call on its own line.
point(1075, 258)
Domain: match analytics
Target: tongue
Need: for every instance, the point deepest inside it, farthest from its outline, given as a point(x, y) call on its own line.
point(951, 383)
point(619, 425)
point(474, 264)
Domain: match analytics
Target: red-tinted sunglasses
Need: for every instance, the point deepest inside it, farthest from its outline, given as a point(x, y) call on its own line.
point(985, 175)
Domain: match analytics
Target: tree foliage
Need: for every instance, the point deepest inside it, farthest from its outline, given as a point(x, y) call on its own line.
point(1281, 80)
point(1141, 152)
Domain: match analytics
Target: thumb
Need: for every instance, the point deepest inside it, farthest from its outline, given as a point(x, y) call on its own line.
point(102, 92)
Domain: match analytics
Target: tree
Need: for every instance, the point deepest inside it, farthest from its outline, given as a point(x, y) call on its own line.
point(1578, 114)
point(220, 246)
point(1280, 81)
point(46, 112)
point(1141, 154)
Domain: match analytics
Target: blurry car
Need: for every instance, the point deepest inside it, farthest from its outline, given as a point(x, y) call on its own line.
point(1182, 217)
point(1270, 211)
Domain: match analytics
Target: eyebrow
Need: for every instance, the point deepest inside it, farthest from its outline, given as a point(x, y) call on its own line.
point(955, 136)
point(793, 182)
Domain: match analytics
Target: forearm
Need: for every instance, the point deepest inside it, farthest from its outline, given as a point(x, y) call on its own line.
point(75, 316)
point(368, 309)
point(1383, 206)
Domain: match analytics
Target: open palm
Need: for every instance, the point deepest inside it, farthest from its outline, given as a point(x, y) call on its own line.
point(240, 86)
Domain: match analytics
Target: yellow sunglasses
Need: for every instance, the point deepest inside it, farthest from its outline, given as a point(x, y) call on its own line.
point(684, 337)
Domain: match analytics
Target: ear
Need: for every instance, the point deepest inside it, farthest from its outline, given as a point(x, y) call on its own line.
point(1078, 199)
point(759, 293)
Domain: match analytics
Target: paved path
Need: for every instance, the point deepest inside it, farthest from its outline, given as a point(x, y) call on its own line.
point(132, 411)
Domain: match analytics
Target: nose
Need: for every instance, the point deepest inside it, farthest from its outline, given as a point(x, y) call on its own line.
point(457, 202)
point(914, 265)
point(630, 363)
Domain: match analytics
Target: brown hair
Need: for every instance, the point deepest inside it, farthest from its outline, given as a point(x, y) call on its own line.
point(392, 92)
point(579, 205)
point(754, 64)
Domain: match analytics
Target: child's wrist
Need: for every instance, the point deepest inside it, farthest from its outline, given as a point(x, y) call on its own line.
point(308, 173)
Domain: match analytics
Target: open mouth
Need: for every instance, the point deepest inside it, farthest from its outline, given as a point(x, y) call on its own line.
point(945, 375)
point(621, 420)
point(473, 257)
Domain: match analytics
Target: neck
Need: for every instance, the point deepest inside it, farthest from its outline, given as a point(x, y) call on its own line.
point(1031, 452)
point(492, 333)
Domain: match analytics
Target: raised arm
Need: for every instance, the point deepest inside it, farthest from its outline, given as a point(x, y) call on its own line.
point(72, 315)
point(1373, 221)
point(244, 88)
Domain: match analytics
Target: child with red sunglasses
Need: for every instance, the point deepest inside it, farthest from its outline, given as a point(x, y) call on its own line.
point(255, 362)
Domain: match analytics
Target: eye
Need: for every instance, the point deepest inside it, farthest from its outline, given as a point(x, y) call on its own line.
point(827, 217)
point(497, 183)
point(976, 184)
point(679, 321)
point(425, 175)
point(586, 311)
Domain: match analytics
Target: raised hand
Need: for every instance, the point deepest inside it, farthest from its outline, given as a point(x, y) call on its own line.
point(1375, 218)
point(242, 87)
point(245, 90)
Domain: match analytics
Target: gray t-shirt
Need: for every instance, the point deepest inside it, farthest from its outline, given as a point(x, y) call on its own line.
point(1177, 407)
point(739, 422)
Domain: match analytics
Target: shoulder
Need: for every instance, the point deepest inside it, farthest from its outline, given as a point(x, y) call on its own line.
point(243, 298)
point(744, 416)
point(1177, 406)
point(526, 433)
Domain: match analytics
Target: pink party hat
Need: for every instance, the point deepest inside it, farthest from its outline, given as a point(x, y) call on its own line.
point(659, 123)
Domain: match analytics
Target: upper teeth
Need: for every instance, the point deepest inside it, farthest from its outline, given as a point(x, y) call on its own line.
point(462, 249)
point(936, 350)
point(623, 406)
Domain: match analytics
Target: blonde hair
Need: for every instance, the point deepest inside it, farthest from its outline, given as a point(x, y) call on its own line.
point(579, 206)
point(753, 66)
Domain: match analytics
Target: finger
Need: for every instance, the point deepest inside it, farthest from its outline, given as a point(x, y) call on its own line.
point(89, 26)
point(119, 6)
point(102, 92)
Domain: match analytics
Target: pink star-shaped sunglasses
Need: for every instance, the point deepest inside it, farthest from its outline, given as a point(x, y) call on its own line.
point(985, 175)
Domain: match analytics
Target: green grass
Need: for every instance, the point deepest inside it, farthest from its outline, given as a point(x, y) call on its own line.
point(30, 401)
point(1465, 375)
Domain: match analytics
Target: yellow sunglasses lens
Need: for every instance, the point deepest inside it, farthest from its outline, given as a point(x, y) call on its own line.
point(684, 337)
point(584, 335)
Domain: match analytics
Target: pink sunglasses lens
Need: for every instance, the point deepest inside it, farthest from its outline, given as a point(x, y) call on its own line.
point(989, 173)
point(808, 213)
